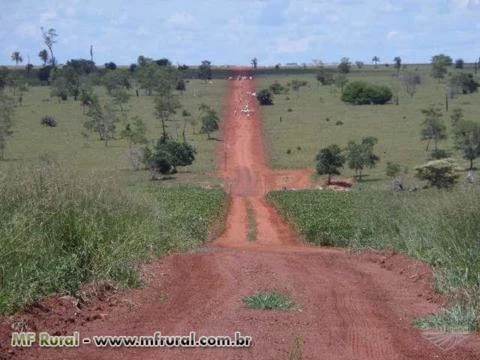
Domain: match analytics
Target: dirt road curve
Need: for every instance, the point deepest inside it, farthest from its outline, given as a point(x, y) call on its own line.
point(351, 307)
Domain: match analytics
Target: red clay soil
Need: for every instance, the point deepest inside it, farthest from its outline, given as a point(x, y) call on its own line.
point(347, 306)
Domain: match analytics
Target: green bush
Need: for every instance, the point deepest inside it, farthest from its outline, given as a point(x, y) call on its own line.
point(265, 97)
point(277, 88)
point(362, 93)
point(441, 173)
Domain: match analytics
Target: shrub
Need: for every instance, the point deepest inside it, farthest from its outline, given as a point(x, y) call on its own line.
point(49, 121)
point(439, 173)
point(277, 88)
point(167, 155)
point(339, 122)
point(289, 151)
point(361, 93)
point(265, 97)
point(289, 110)
point(463, 83)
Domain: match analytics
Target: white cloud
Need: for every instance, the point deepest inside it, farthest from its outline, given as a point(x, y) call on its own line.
point(393, 34)
point(182, 20)
point(290, 45)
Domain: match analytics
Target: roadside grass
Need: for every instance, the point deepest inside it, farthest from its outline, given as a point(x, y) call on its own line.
point(59, 231)
point(317, 109)
point(252, 222)
point(439, 227)
point(265, 300)
point(66, 145)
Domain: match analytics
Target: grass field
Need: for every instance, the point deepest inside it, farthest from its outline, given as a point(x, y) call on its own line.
point(58, 232)
point(438, 227)
point(66, 145)
point(73, 211)
point(396, 127)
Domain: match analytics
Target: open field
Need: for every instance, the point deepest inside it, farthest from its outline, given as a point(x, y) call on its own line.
point(346, 306)
point(66, 145)
point(396, 127)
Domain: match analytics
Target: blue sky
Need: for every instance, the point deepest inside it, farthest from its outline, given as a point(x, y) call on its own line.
point(234, 31)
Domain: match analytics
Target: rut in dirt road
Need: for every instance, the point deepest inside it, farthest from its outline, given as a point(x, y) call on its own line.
point(348, 307)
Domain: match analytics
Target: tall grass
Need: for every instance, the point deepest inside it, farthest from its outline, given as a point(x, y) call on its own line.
point(58, 232)
point(439, 227)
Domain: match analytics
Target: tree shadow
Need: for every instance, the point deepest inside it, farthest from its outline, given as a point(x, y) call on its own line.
point(215, 139)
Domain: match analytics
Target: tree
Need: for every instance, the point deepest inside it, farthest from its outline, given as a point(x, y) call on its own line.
point(361, 155)
point(439, 65)
point(393, 169)
point(168, 154)
point(359, 64)
point(205, 70)
point(265, 97)
point(7, 112)
point(120, 97)
point(147, 76)
point(459, 63)
point(397, 63)
point(181, 86)
point(17, 57)
point(102, 121)
point(329, 160)
point(362, 93)
point(43, 55)
point(345, 65)
point(254, 63)
point(439, 173)
point(163, 62)
point(50, 38)
point(466, 136)
point(341, 81)
point(166, 104)
point(410, 81)
point(110, 65)
point(135, 132)
point(375, 60)
point(59, 88)
point(325, 76)
point(462, 83)
point(433, 127)
point(209, 121)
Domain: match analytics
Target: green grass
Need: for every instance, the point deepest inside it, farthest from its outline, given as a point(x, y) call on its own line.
point(58, 231)
point(252, 222)
point(73, 152)
point(268, 301)
point(439, 227)
point(396, 127)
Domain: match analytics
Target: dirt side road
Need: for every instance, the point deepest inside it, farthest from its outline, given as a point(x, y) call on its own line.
point(348, 306)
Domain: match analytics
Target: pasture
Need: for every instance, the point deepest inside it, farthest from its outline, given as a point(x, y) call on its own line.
point(32, 143)
point(315, 110)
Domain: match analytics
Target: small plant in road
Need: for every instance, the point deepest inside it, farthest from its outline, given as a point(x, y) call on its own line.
point(268, 301)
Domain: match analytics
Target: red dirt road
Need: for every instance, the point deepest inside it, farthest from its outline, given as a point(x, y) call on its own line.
point(354, 307)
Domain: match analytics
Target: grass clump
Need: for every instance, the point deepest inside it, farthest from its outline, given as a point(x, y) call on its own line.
point(252, 223)
point(273, 300)
point(58, 231)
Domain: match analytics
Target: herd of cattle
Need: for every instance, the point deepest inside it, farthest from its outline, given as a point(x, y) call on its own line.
point(241, 78)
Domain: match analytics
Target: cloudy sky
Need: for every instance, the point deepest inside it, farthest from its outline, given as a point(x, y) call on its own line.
point(234, 31)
